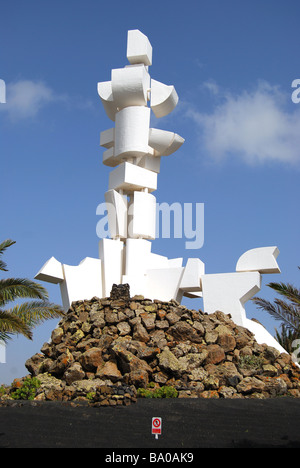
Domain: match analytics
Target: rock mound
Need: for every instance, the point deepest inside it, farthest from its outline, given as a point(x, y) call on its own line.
point(107, 350)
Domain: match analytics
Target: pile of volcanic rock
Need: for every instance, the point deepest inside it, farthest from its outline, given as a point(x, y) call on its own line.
point(104, 350)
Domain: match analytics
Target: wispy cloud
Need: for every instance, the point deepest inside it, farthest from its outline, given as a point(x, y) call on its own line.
point(254, 126)
point(27, 98)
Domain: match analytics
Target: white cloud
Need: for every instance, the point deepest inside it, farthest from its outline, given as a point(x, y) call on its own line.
point(211, 86)
point(253, 126)
point(25, 99)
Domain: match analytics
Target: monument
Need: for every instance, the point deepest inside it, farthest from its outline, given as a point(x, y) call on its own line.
point(134, 150)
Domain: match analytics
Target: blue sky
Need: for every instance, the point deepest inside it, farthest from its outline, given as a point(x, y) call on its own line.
point(232, 64)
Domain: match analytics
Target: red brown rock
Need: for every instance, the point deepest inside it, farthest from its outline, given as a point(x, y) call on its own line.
point(106, 348)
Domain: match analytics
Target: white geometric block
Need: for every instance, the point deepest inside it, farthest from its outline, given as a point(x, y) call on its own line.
point(150, 163)
point(132, 131)
point(143, 212)
point(229, 292)
point(111, 254)
point(164, 283)
point(163, 98)
point(105, 93)
point(137, 284)
point(191, 279)
point(262, 259)
point(139, 49)
point(163, 142)
point(83, 281)
point(156, 261)
point(117, 207)
point(175, 262)
point(109, 158)
point(137, 256)
point(107, 138)
point(130, 86)
point(129, 177)
point(51, 272)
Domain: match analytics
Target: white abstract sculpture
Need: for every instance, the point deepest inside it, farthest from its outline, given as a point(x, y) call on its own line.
point(75, 282)
point(262, 260)
point(133, 150)
point(229, 292)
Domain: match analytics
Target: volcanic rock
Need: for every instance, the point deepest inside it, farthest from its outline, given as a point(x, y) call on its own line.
point(105, 350)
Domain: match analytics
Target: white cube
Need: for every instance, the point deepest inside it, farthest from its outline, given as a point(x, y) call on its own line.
point(142, 216)
point(117, 206)
point(137, 256)
point(129, 178)
point(152, 163)
point(111, 255)
point(139, 49)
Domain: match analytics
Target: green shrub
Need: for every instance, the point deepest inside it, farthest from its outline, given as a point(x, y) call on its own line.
point(250, 361)
point(144, 393)
point(28, 390)
point(162, 392)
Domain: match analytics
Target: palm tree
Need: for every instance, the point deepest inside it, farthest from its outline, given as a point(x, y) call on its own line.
point(21, 319)
point(287, 310)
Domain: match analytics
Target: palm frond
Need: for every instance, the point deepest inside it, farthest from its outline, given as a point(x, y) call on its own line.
point(20, 319)
point(3, 266)
point(10, 324)
point(36, 312)
point(287, 290)
point(16, 288)
point(3, 246)
point(291, 312)
point(288, 307)
point(278, 312)
point(286, 337)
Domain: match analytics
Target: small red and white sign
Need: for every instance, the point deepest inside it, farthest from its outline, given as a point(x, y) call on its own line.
point(156, 426)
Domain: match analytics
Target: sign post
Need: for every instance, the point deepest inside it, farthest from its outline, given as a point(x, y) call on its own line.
point(156, 427)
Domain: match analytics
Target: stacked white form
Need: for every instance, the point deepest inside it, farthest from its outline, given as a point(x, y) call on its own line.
point(134, 150)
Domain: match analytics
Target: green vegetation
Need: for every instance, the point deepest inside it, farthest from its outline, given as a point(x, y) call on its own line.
point(90, 396)
point(162, 392)
point(285, 309)
point(250, 361)
point(28, 389)
point(21, 319)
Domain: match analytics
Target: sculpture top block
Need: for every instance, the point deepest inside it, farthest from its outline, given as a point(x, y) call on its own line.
point(139, 49)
